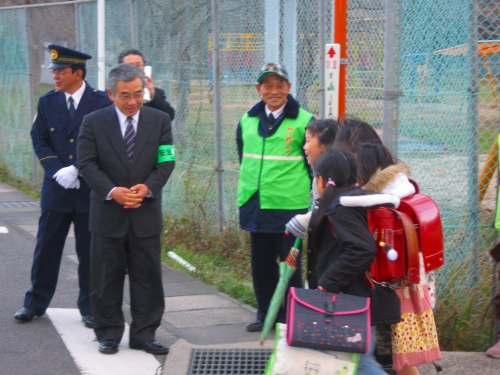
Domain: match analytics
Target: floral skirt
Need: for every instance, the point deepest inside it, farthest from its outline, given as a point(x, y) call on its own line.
point(414, 339)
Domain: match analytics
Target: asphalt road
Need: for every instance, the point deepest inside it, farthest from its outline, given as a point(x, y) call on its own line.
point(28, 348)
point(57, 343)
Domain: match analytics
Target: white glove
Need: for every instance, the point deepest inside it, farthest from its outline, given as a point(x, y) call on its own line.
point(75, 185)
point(67, 177)
point(298, 224)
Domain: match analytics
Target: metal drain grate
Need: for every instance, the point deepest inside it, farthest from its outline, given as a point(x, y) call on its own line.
point(228, 361)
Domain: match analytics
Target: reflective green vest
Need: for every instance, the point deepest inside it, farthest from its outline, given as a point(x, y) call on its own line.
point(275, 165)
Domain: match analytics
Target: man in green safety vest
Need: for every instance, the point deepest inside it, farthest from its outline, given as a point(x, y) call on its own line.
point(274, 183)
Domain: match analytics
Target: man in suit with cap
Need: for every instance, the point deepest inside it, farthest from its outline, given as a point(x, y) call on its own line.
point(65, 196)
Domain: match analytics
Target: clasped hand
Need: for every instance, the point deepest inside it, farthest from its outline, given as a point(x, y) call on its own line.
point(130, 197)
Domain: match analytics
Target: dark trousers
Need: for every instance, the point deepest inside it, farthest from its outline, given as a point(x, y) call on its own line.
point(53, 228)
point(142, 258)
point(266, 250)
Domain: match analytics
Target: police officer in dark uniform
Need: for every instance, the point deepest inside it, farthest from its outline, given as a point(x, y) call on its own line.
point(65, 196)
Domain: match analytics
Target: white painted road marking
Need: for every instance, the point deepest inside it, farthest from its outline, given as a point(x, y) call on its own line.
point(83, 347)
point(4, 230)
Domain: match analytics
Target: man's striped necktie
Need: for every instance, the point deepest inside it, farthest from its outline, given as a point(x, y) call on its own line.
point(129, 138)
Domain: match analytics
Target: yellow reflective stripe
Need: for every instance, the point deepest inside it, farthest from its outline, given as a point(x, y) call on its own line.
point(49, 157)
point(271, 157)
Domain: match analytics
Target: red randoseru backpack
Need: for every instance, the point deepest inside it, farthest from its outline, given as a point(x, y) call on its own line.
point(400, 234)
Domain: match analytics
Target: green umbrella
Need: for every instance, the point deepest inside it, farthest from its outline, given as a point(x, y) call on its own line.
point(287, 268)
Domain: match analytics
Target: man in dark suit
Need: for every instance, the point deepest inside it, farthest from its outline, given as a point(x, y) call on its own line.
point(65, 197)
point(157, 96)
point(126, 156)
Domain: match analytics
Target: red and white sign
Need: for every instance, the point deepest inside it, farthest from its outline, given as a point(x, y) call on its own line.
point(332, 79)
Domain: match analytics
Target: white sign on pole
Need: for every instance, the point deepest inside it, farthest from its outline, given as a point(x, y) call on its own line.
point(332, 79)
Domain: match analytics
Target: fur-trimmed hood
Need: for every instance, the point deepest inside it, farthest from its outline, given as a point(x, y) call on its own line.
point(391, 180)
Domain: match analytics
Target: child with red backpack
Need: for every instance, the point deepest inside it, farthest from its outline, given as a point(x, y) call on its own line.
point(379, 173)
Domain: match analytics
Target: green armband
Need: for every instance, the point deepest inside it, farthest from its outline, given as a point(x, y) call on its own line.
point(165, 153)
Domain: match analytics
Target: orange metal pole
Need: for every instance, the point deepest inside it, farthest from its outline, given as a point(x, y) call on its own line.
point(340, 37)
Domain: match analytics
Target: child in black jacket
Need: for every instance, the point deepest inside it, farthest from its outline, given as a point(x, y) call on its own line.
point(341, 248)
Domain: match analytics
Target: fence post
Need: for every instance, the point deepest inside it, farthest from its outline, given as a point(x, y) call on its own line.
point(33, 111)
point(391, 74)
point(272, 31)
point(321, 43)
point(101, 46)
point(473, 164)
point(133, 28)
point(290, 42)
point(217, 112)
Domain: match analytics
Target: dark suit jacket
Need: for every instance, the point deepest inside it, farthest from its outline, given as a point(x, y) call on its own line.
point(104, 165)
point(159, 101)
point(54, 138)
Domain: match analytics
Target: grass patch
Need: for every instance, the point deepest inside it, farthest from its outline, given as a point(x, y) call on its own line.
point(466, 323)
point(464, 315)
point(221, 260)
point(27, 188)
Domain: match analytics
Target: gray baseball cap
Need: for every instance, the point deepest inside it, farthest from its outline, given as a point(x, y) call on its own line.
point(272, 68)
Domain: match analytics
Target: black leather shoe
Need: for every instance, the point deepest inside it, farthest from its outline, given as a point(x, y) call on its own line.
point(108, 347)
point(88, 321)
point(152, 347)
point(26, 314)
point(255, 326)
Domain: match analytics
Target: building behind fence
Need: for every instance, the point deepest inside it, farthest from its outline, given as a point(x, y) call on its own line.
point(440, 114)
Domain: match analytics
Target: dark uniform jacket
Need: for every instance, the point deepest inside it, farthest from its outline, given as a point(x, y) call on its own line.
point(340, 251)
point(159, 101)
point(54, 138)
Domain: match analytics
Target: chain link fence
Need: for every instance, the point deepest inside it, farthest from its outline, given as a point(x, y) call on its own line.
point(448, 121)
point(441, 116)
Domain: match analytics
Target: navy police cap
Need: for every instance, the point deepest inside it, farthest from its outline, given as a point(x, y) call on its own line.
point(63, 57)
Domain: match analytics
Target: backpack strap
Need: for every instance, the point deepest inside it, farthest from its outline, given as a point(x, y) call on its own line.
point(411, 240)
point(414, 183)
